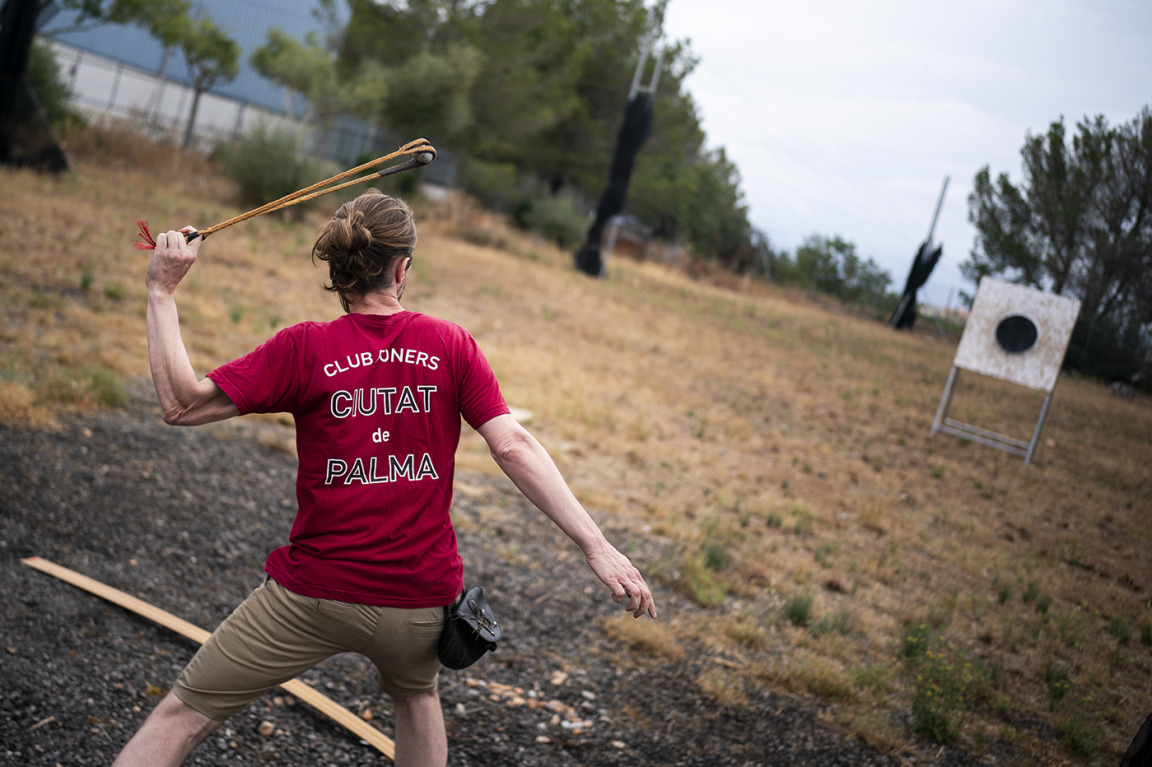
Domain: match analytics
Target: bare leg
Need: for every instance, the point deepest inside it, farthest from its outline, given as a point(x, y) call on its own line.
point(420, 737)
point(167, 736)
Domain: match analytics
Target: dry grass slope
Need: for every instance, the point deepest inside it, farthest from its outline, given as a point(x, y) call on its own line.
point(780, 451)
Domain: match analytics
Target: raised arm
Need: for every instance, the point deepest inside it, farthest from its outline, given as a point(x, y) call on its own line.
point(184, 399)
point(533, 471)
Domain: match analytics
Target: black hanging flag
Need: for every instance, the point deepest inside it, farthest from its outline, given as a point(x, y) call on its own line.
point(905, 315)
point(633, 133)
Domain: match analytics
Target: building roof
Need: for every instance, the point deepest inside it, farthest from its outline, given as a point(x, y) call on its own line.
point(245, 21)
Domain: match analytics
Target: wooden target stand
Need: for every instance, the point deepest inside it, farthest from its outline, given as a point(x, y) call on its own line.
point(1018, 335)
point(295, 687)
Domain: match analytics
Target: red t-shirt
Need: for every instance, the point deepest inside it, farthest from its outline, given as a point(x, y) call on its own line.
point(377, 402)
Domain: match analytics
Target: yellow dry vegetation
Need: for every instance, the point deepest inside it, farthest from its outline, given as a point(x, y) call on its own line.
point(769, 445)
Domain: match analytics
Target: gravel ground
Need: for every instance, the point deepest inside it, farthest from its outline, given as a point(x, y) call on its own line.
point(183, 518)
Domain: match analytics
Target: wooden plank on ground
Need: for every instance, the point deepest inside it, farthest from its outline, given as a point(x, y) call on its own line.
point(300, 690)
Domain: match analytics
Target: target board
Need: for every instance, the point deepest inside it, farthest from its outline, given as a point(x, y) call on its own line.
point(1015, 334)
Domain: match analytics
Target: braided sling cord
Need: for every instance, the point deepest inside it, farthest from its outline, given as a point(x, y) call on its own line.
point(420, 151)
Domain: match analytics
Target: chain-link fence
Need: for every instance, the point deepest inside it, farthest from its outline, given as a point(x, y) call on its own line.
point(103, 88)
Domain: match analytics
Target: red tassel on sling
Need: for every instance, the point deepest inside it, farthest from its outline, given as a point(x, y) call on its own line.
point(148, 243)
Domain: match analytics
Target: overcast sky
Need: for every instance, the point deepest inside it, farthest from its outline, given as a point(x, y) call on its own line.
point(845, 117)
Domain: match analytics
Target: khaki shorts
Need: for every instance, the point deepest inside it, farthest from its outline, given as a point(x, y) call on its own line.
point(275, 635)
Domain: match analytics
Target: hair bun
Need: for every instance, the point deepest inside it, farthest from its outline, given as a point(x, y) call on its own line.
point(355, 236)
point(363, 241)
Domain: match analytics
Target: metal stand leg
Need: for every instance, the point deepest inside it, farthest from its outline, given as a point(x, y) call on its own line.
point(945, 401)
point(956, 428)
point(1039, 426)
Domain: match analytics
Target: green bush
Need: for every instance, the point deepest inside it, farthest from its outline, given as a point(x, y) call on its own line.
point(558, 218)
point(799, 609)
point(50, 89)
point(494, 185)
point(265, 166)
point(702, 583)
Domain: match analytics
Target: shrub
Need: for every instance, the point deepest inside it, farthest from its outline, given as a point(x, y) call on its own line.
point(915, 641)
point(727, 689)
point(799, 609)
point(558, 218)
point(646, 636)
point(824, 551)
point(1120, 631)
point(1058, 684)
point(944, 681)
point(1043, 604)
point(1073, 629)
point(803, 524)
point(875, 678)
point(88, 386)
point(50, 89)
point(744, 629)
point(840, 623)
point(716, 555)
point(702, 583)
point(494, 184)
point(1079, 728)
point(265, 166)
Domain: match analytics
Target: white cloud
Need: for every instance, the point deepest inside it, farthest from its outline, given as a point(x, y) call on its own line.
point(845, 117)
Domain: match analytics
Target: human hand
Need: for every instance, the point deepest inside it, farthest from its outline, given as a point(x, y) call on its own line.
point(171, 259)
point(618, 573)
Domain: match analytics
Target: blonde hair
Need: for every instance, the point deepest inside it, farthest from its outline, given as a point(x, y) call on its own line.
point(362, 242)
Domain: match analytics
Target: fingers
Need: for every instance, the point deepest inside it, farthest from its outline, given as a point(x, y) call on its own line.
point(171, 259)
point(639, 599)
point(624, 580)
point(177, 241)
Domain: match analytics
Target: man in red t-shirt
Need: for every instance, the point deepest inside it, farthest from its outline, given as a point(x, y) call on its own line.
point(377, 396)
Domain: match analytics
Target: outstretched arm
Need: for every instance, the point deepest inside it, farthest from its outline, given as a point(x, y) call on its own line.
point(184, 399)
point(533, 471)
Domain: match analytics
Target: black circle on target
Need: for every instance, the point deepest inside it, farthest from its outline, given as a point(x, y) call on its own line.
point(1016, 334)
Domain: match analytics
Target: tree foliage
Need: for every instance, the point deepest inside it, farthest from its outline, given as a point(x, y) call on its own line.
point(212, 56)
point(831, 265)
point(1080, 224)
point(309, 69)
point(433, 90)
point(48, 84)
point(531, 95)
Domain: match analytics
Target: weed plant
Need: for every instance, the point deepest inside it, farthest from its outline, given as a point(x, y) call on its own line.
point(944, 681)
point(1079, 728)
point(799, 610)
